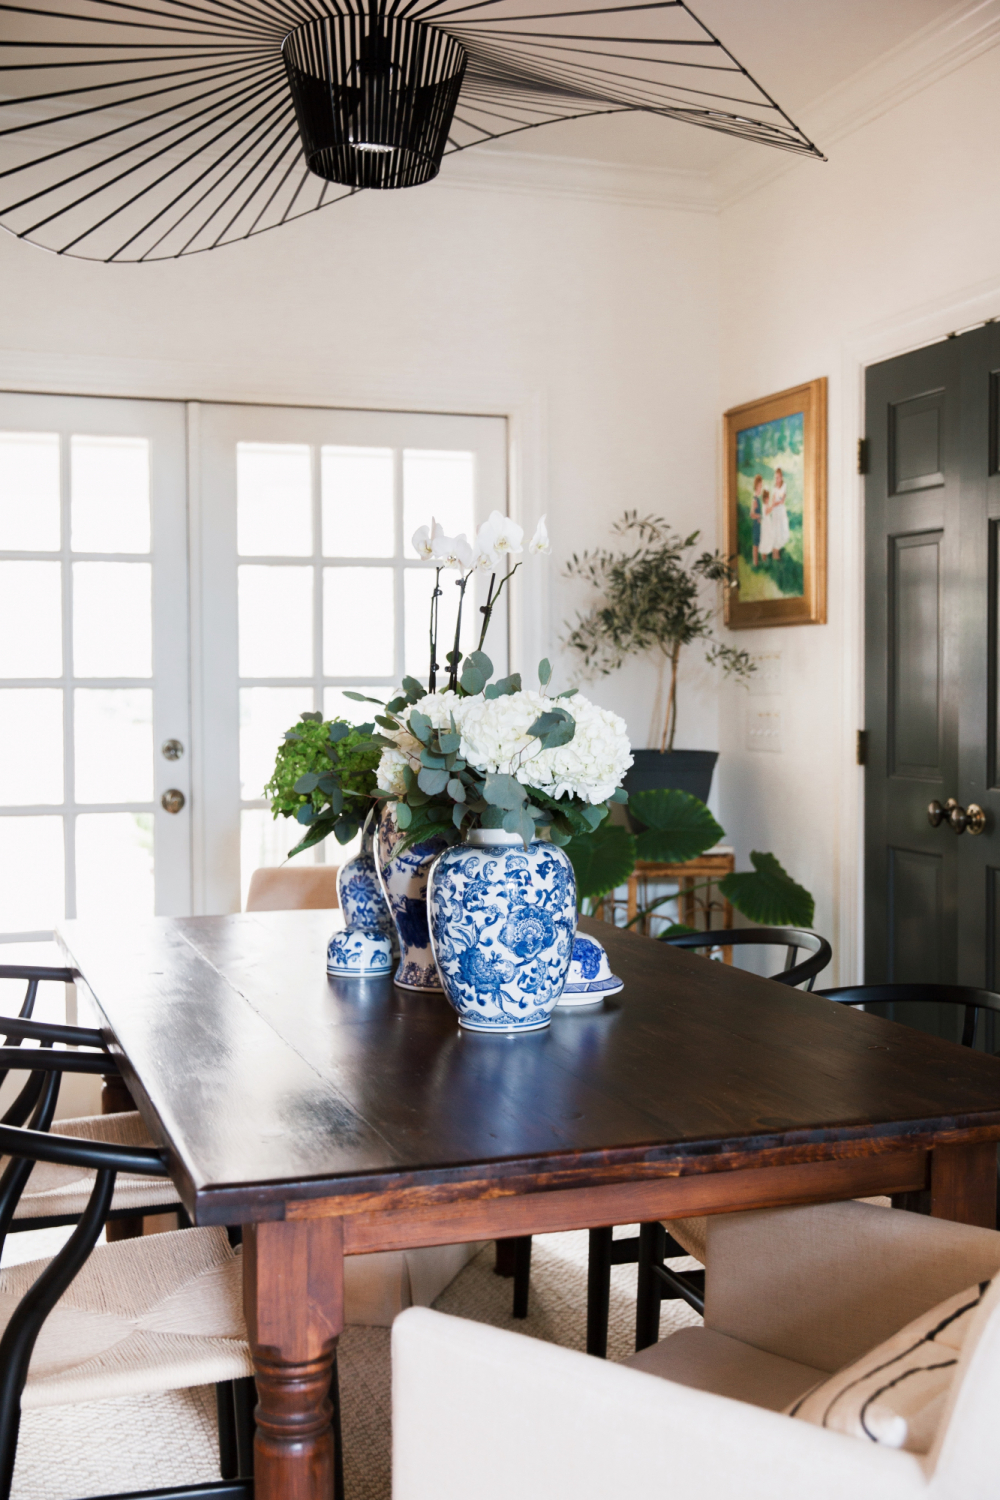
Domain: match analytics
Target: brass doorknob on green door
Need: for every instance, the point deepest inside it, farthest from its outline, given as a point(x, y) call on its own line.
point(173, 800)
point(969, 819)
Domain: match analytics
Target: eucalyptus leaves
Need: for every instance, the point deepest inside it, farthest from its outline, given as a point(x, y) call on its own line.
point(494, 755)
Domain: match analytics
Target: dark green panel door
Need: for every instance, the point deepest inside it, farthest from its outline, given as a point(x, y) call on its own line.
point(912, 509)
point(932, 504)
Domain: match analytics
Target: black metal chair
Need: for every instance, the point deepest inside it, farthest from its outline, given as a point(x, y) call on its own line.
point(109, 1128)
point(36, 1102)
point(973, 1000)
point(654, 1245)
point(793, 939)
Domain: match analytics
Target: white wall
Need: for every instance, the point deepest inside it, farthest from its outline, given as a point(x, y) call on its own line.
point(591, 323)
point(895, 242)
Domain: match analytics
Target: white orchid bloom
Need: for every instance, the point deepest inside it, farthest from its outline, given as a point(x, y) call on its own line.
point(539, 544)
point(453, 551)
point(507, 535)
point(424, 539)
point(485, 557)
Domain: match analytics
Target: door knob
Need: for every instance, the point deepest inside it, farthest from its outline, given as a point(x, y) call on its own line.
point(971, 819)
point(173, 800)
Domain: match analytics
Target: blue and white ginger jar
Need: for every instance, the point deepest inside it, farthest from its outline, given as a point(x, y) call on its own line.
point(403, 878)
point(360, 893)
point(502, 921)
point(359, 953)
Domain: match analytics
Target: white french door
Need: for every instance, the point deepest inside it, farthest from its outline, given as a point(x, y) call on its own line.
point(308, 584)
point(93, 661)
point(288, 531)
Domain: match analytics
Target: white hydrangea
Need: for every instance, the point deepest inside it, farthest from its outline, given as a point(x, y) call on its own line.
point(389, 774)
point(439, 708)
point(495, 738)
point(594, 762)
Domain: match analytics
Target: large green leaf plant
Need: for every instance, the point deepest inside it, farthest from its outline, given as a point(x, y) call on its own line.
point(675, 828)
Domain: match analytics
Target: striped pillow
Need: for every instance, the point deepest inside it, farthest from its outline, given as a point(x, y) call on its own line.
point(896, 1393)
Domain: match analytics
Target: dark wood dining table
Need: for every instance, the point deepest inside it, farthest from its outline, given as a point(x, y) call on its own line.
point(334, 1117)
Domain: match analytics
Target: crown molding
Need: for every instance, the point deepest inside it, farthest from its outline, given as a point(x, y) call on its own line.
point(930, 54)
point(488, 169)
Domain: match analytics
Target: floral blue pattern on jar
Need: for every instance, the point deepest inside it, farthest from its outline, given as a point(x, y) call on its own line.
point(403, 878)
point(360, 894)
point(502, 919)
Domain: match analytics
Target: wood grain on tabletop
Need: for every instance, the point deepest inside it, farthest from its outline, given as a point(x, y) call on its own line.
point(260, 1072)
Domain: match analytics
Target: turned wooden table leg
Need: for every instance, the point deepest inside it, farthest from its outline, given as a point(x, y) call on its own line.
point(964, 1183)
point(293, 1297)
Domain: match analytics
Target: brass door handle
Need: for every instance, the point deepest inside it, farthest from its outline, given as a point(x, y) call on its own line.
point(971, 819)
point(173, 800)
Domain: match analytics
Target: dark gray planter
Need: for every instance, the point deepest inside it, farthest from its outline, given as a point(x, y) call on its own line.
point(686, 770)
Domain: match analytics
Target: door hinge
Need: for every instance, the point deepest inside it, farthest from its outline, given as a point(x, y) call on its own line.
point(861, 751)
point(863, 455)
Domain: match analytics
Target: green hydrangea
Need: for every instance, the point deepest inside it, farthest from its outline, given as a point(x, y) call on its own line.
point(324, 777)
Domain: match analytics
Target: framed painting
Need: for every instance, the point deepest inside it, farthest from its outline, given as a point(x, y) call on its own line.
point(776, 508)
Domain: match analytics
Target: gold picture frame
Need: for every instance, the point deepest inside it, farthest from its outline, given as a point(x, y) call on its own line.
point(776, 512)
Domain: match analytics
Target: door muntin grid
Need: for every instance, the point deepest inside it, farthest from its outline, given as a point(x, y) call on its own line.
point(78, 676)
point(350, 594)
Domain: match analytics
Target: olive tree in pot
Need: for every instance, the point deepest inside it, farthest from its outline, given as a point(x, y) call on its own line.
point(657, 596)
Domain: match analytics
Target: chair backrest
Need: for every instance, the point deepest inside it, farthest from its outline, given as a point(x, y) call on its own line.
point(287, 888)
point(974, 1000)
point(792, 939)
point(35, 974)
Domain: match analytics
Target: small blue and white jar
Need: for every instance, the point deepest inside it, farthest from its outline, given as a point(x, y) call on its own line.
point(502, 920)
point(359, 953)
point(359, 892)
point(403, 878)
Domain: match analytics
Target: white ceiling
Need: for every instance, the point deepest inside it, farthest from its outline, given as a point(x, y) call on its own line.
point(797, 50)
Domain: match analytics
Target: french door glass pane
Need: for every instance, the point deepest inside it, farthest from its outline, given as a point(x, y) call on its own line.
point(30, 619)
point(358, 502)
point(336, 705)
point(265, 841)
point(112, 619)
point(32, 881)
point(418, 585)
point(114, 744)
point(265, 714)
point(109, 491)
point(273, 500)
point(442, 485)
point(275, 607)
point(31, 746)
point(29, 492)
point(114, 864)
point(359, 622)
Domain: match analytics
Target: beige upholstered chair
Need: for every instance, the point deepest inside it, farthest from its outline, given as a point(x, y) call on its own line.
point(792, 1295)
point(293, 888)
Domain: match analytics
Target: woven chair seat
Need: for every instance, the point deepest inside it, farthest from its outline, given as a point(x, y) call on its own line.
point(160, 1313)
point(54, 1190)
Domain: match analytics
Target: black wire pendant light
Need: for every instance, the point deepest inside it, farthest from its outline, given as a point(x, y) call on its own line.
point(138, 130)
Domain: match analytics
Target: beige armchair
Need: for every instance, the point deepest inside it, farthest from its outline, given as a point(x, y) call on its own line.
point(793, 1295)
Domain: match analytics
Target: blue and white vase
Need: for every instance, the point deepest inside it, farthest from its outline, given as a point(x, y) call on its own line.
point(503, 919)
point(403, 878)
point(360, 893)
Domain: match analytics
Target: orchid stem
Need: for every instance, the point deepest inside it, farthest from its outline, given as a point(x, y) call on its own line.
point(491, 602)
point(453, 674)
point(432, 674)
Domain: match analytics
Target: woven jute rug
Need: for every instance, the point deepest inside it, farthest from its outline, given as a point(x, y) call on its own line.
point(149, 1442)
